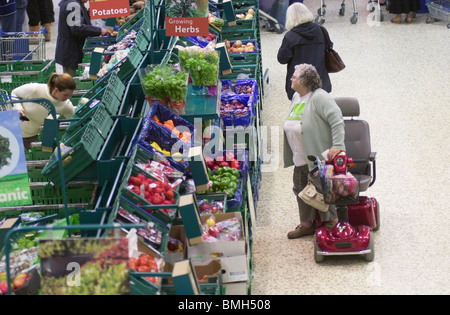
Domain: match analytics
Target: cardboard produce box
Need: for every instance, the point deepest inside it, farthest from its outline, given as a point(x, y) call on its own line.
point(232, 254)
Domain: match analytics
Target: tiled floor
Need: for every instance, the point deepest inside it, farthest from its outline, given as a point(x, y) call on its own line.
point(401, 75)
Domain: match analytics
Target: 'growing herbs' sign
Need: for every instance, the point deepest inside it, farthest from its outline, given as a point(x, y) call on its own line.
point(14, 184)
point(187, 18)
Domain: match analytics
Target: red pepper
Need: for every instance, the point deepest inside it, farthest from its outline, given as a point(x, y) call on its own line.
point(235, 164)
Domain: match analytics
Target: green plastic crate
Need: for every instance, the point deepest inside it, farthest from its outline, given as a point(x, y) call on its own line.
point(130, 63)
point(36, 154)
point(104, 96)
point(238, 34)
point(85, 146)
point(84, 84)
point(244, 59)
point(147, 219)
point(17, 73)
point(140, 22)
point(99, 117)
point(156, 210)
point(77, 193)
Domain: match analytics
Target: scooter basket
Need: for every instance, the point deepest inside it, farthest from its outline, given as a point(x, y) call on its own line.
point(341, 189)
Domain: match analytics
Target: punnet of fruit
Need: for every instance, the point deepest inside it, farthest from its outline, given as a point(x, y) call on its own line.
point(155, 196)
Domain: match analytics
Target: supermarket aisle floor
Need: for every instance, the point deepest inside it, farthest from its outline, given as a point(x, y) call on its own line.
point(400, 75)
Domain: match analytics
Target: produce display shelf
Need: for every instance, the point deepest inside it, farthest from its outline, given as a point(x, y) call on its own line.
point(102, 142)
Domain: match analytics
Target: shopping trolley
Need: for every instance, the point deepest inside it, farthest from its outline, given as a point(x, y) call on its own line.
point(322, 10)
point(439, 10)
point(278, 9)
point(4, 99)
point(23, 45)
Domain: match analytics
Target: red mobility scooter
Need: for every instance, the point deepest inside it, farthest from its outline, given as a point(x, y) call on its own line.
point(358, 215)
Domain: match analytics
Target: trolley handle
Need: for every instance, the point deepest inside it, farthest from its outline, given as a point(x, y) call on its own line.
point(43, 31)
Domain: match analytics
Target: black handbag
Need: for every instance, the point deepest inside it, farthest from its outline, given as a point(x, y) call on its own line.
point(333, 61)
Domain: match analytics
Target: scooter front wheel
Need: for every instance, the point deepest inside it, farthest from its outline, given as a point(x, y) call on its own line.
point(318, 258)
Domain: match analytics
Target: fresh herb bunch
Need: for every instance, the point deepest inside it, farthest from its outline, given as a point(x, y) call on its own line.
point(166, 81)
point(154, 85)
point(177, 86)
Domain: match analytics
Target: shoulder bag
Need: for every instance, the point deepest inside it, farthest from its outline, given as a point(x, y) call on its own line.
point(312, 196)
point(333, 61)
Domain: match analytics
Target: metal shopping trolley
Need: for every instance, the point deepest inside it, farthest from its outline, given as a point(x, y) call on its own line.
point(322, 10)
point(439, 10)
point(273, 14)
point(23, 45)
point(4, 99)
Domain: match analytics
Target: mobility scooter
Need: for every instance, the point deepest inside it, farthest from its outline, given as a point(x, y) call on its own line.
point(358, 215)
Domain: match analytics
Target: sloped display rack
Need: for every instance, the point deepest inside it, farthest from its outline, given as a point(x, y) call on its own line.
point(122, 164)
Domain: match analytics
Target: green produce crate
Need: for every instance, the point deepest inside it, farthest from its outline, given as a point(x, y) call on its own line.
point(99, 117)
point(17, 73)
point(35, 170)
point(77, 192)
point(84, 84)
point(140, 22)
point(164, 213)
point(141, 286)
point(244, 59)
point(145, 218)
point(36, 154)
point(238, 34)
point(47, 210)
point(85, 146)
point(130, 63)
point(248, 71)
point(105, 96)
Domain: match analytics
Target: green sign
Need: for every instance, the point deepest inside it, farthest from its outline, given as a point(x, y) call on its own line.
point(14, 183)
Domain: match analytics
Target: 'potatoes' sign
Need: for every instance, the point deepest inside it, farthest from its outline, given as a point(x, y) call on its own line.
point(102, 9)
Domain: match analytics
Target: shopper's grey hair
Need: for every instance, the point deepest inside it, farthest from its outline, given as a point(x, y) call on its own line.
point(308, 76)
point(297, 14)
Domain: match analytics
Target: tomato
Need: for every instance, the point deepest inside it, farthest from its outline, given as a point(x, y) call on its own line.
point(169, 194)
point(157, 199)
point(143, 261)
point(136, 190)
point(143, 269)
point(134, 180)
point(133, 263)
point(153, 266)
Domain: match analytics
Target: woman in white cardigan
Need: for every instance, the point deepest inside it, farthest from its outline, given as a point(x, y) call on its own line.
point(58, 90)
point(314, 125)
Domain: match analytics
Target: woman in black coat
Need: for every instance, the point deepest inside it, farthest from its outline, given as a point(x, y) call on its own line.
point(74, 26)
point(303, 43)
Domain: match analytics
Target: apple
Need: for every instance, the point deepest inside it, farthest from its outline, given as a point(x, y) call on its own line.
point(3, 287)
point(19, 282)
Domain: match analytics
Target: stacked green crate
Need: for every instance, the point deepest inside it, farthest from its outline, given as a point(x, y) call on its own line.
point(83, 148)
point(17, 73)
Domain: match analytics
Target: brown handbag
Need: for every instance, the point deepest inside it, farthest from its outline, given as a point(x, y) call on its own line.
point(333, 61)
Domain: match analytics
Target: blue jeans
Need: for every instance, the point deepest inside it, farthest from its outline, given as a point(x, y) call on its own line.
point(8, 22)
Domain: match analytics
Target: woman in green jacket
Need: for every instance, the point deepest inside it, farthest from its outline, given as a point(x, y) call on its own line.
point(314, 125)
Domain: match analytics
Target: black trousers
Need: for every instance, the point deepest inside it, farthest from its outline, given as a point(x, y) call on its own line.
point(40, 12)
